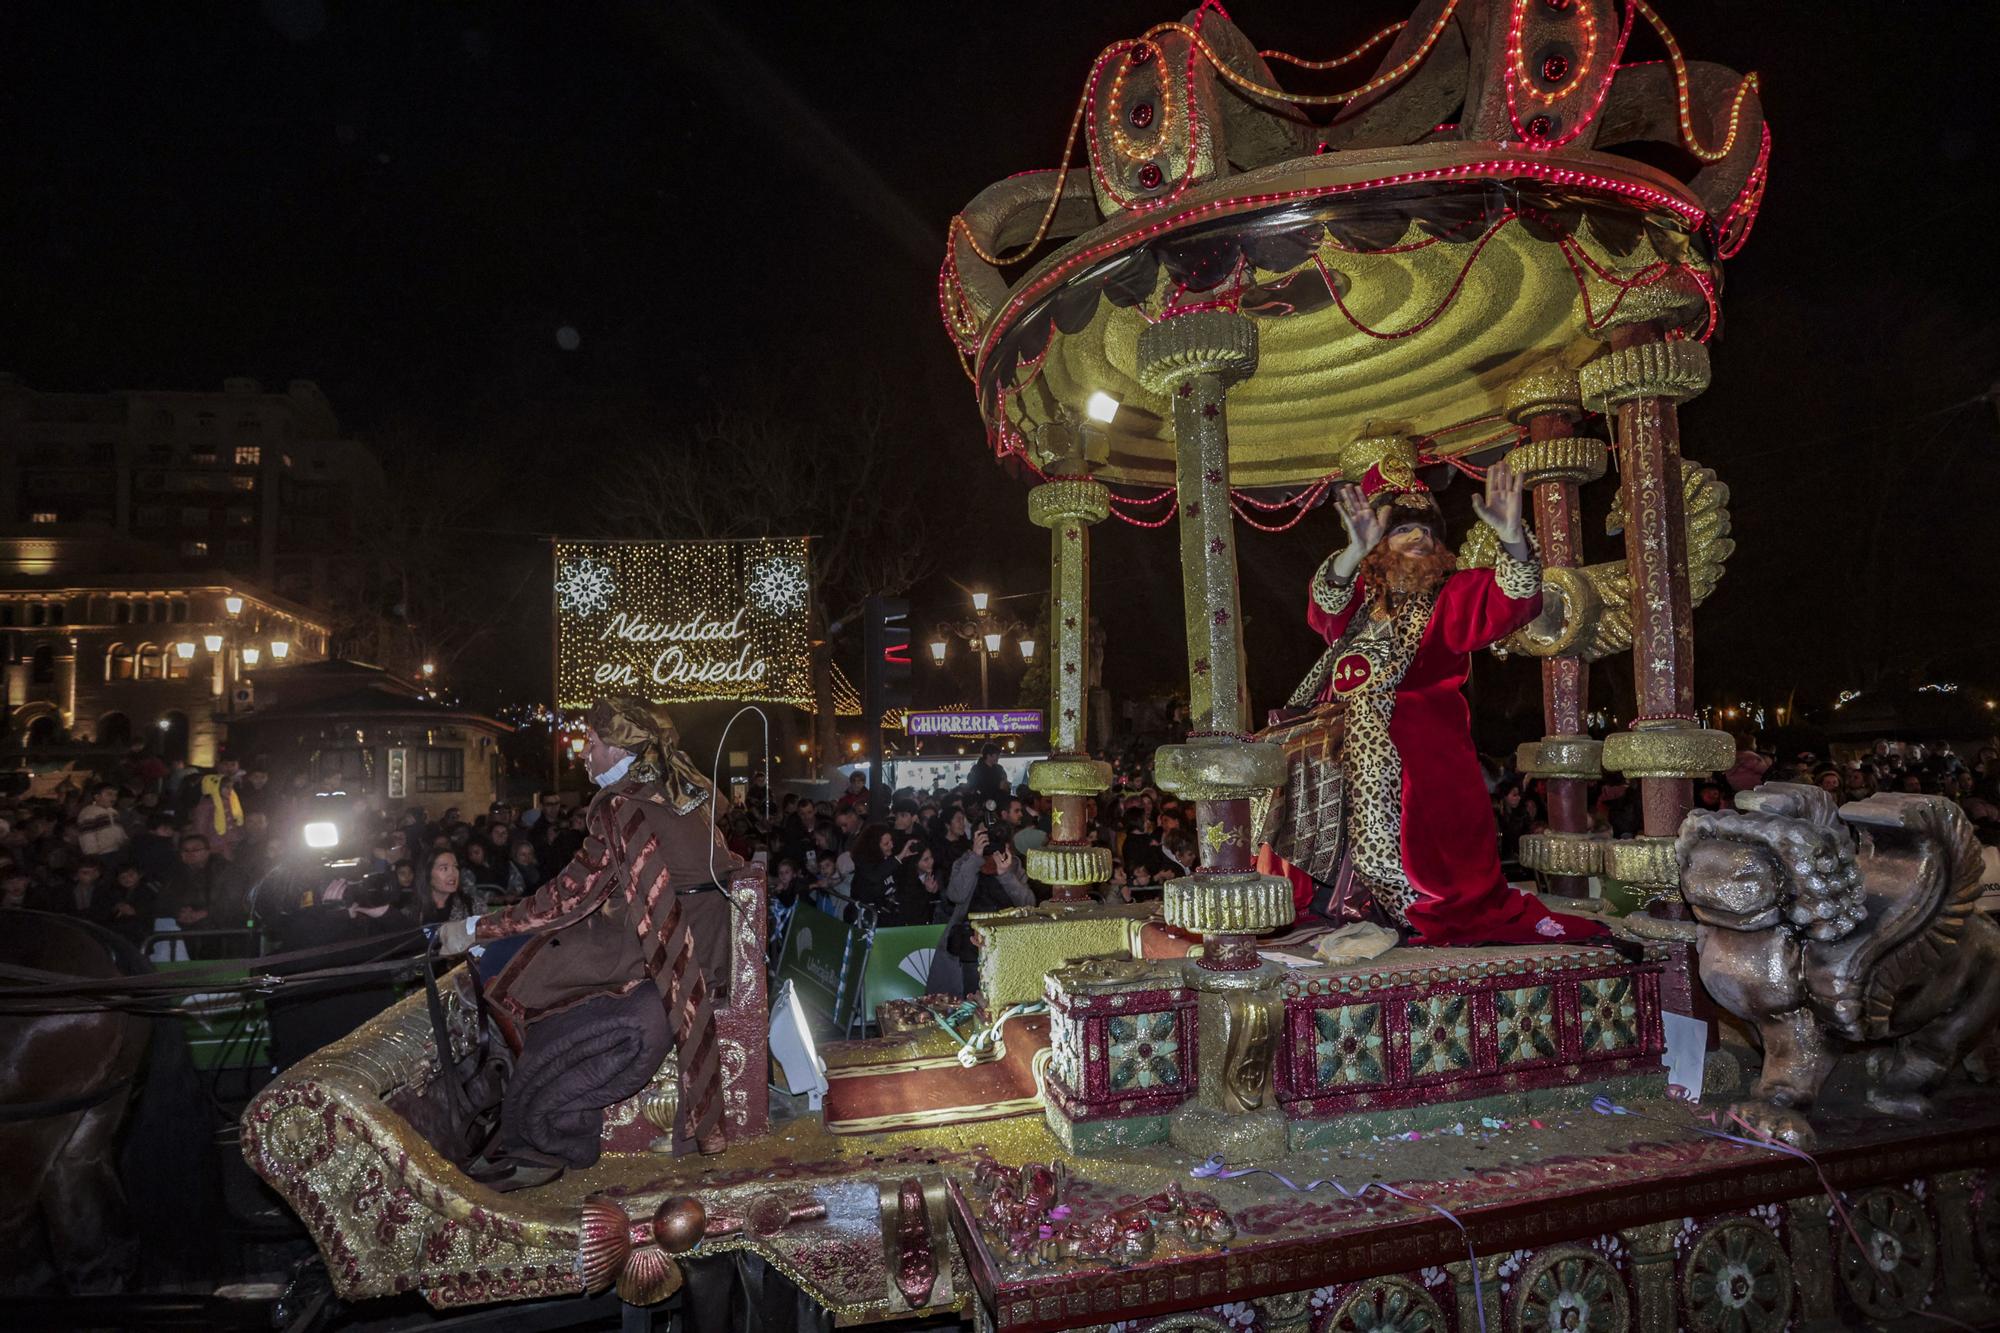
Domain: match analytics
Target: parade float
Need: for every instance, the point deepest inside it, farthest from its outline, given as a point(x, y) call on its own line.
point(1501, 238)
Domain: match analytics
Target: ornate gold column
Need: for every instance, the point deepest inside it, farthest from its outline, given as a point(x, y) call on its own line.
point(1552, 463)
point(1640, 382)
point(1067, 505)
point(1195, 358)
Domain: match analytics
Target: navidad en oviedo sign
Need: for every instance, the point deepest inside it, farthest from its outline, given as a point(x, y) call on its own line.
point(1007, 722)
point(683, 620)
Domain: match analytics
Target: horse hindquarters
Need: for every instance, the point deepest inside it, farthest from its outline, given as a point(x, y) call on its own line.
point(27, 1158)
point(64, 1225)
point(83, 1203)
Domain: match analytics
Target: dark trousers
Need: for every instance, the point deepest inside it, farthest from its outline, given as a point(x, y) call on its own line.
point(573, 1065)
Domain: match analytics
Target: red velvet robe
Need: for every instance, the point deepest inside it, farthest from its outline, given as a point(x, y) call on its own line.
point(1448, 842)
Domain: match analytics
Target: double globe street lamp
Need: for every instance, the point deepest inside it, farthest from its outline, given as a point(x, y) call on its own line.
point(230, 658)
point(987, 633)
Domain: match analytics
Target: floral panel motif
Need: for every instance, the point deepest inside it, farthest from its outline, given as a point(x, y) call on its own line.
point(1737, 1280)
point(1143, 1051)
point(1571, 1288)
point(1347, 1045)
point(1066, 1051)
point(1440, 1035)
point(1609, 1010)
point(1526, 1024)
point(1388, 1305)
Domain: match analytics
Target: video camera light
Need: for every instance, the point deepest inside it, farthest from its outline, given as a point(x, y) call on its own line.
point(322, 834)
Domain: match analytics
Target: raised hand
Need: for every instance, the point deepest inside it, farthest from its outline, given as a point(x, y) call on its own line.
point(1500, 507)
point(1363, 524)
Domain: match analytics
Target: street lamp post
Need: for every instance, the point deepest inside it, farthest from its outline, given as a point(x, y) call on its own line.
point(218, 682)
point(230, 664)
point(987, 634)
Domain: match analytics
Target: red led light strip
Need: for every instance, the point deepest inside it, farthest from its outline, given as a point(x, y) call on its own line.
point(1517, 60)
point(1286, 526)
point(1603, 85)
point(1674, 58)
point(1337, 61)
point(1450, 295)
point(1197, 44)
point(1533, 169)
point(1159, 522)
point(1749, 200)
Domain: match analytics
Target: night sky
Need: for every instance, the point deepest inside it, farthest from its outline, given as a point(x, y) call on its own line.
point(406, 203)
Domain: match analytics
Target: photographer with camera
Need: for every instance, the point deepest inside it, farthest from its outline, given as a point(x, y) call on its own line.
point(988, 878)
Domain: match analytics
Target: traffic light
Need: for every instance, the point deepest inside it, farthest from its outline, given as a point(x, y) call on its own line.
point(885, 643)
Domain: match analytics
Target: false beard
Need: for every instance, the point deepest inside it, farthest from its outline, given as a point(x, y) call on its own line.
point(1393, 578)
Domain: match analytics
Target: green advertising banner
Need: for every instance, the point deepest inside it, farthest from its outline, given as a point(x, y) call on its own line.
point(899, 963)
point(822, 960)
point(225, 1029)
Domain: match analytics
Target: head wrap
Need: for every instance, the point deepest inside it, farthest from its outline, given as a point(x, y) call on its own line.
point(647, 733)
point(1387, 467)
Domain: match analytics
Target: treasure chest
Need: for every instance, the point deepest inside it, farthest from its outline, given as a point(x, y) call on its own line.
point(1304, 823)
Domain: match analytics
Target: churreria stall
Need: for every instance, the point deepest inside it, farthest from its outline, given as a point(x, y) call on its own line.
point(1506, 242)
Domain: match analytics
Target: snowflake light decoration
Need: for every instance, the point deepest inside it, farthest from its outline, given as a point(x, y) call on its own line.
point(585, 586)
point(778, 585)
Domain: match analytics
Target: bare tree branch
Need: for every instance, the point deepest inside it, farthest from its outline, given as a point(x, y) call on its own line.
point(756, 473)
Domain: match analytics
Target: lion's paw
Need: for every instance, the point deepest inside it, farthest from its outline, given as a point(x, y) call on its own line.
point(1777, 1122)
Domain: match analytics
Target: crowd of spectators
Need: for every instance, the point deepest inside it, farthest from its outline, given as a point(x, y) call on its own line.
point(938, 857)
point(1520, 805)
point(150, 849)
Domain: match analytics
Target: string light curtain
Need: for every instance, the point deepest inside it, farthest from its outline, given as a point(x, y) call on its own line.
point(682, 621)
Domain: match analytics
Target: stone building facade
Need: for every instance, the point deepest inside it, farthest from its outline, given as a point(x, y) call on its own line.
point(109, 660)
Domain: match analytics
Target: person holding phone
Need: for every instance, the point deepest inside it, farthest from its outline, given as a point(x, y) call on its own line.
point(917, 883)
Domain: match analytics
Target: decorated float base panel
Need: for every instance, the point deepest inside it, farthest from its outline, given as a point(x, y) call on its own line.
point(1413, 1039)
point(1594, 1222)
point(1583, 1203)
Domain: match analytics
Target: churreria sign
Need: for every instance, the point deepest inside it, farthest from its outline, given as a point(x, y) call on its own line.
point(683, 620)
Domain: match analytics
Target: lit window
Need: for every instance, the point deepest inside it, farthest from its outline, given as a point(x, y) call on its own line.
point(249, 455)
point(42, 516)
point(194, 549)
point(244, 483)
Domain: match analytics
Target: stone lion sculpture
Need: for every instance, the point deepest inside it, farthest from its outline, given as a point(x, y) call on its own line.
point(1824, 948)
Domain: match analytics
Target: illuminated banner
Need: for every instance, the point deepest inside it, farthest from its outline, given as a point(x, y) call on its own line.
point(683, 620)
point(1011, 722)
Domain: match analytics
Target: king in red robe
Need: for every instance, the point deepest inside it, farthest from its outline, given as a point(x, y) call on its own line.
point(1401, 621)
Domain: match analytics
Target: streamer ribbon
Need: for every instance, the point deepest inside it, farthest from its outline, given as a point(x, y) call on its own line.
point(1216, 1169)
